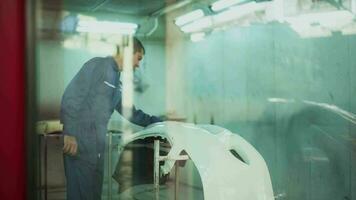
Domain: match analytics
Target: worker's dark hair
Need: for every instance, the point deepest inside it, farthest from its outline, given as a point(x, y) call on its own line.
point(137, 46)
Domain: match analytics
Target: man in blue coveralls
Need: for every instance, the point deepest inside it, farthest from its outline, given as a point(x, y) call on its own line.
point(87, 104)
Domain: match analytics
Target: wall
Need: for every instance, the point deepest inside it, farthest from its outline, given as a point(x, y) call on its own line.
point(291, 98)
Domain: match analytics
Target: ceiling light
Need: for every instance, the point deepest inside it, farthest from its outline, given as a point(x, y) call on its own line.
point(222, 4)
point(197, 25)
point(189, 17)
point(237, 12)
point(106, 27)
point(321, 24)
point(196, 37)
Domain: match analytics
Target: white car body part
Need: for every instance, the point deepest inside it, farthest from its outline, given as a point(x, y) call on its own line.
point(212, 149)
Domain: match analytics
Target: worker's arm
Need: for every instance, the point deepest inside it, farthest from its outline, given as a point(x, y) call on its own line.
point(138, 117)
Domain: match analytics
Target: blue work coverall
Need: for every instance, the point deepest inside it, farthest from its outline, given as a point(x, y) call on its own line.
point(87, 105)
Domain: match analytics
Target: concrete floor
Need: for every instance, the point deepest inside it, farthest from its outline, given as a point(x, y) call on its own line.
point(140, 192)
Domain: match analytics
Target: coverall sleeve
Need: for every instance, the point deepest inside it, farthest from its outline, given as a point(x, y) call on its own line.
point(139, 117)
point(74, 97)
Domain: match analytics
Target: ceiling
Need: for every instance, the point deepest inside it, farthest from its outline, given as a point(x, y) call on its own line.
point(142, 8)
point(141, 11)
point(127, 7)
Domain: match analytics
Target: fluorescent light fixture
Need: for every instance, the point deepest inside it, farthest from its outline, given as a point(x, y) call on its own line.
point(189, 17)
point(349, 30)
point(222, 4)
point(326, 22)
point(74, 42)
point(196, 37)
point(197, 25)
point(237, 12)
point(277, 11)
point(336, 20)
point(232, 13)
point(306, 30)
point(106, 27)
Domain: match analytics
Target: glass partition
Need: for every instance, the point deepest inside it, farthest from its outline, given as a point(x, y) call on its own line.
point(256, 98)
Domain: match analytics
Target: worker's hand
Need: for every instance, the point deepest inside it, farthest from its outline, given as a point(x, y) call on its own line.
point(70, 145)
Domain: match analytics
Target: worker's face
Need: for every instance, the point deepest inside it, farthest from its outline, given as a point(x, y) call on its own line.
point(137, 57)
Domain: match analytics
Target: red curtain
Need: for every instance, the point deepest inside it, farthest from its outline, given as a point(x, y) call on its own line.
point(12, 100)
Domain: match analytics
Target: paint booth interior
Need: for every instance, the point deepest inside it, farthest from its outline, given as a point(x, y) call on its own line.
point(277, 77)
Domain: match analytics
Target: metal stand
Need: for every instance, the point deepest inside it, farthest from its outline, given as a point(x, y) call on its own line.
point(157, 159)
point(45, 136)
point(156, 168)
point(109, 165)
point(176, 183)
point(110, 134)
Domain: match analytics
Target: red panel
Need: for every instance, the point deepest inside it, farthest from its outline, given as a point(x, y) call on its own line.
point(12, 100)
